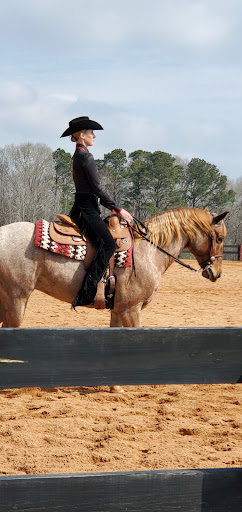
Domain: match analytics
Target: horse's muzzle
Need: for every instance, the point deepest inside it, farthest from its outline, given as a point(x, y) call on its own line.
point(208, 274)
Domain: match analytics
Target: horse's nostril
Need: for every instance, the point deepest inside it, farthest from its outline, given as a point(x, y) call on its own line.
point(219, 275)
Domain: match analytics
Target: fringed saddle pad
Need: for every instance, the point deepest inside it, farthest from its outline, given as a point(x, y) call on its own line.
point(43, 240)
point(77, 252)
point(123, 259)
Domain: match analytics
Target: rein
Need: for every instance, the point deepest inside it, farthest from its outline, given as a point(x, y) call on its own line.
point(143, 231)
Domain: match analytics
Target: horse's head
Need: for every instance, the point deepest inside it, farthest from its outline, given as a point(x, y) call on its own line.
point(208, 247)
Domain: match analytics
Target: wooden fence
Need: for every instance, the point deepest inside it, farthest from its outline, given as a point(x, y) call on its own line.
point(90, 357)
point(233, 252)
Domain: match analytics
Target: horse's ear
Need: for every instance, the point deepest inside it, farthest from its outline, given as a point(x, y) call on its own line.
point(220, 217)
point(206, 209)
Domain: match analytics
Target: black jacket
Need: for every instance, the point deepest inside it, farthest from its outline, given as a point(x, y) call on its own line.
point(86, 177)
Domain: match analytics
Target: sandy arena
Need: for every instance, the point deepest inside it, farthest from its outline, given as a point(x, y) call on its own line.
point(67, 430)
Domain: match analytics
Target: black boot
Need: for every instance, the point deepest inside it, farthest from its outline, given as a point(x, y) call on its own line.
point(86, 295)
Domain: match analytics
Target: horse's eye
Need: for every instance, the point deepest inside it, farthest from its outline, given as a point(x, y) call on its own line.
point(220, 239)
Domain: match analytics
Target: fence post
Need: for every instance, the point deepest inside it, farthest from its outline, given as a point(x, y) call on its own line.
point(240, 252)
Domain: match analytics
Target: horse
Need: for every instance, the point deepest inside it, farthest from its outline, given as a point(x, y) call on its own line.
point(24, 267)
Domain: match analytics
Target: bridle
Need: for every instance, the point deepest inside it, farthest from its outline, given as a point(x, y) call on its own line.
point(212, 256)
point(143, 231)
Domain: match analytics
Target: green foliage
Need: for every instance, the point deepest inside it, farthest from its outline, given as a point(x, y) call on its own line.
point(64, 185)
point(204, 185)
point(154, 183)
point(36, 182)
point(113, 174)
point(148, 183)
point(138, 176)
point(165, 182)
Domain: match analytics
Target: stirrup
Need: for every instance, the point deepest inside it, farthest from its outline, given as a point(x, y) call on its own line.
point(111, 283)
point(110, 293)
point(99, 301)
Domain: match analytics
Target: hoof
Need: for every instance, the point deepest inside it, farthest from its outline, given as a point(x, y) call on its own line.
point(116, 389)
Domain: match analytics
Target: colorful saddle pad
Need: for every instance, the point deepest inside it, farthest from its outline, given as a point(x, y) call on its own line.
point(76, 250)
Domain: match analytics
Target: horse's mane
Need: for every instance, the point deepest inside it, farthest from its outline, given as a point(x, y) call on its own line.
point(166, 226)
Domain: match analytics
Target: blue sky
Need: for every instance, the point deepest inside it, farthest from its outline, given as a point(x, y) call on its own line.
point(162, 75)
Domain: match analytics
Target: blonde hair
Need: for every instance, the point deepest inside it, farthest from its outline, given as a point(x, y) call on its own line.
point(76, 135)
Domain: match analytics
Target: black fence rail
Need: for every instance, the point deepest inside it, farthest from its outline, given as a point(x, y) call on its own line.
point(69, 357)
point(231, 253)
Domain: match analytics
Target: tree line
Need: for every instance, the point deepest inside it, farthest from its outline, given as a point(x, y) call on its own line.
point(37, 183)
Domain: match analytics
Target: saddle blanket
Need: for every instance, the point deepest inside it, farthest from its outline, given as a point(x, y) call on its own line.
point(123, 259)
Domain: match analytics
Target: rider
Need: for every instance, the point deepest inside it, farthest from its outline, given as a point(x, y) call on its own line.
point(85, 210)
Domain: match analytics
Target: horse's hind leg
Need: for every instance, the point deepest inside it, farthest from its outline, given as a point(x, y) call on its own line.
point(12, 312)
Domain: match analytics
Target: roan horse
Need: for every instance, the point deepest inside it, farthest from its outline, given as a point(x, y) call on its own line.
point(24, 267)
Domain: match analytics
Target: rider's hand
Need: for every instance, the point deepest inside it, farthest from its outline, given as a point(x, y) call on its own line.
point(126, 215)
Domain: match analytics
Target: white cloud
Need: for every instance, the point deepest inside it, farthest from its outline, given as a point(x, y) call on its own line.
point(15, 93)
point(59, 25)
point(193, 24)
point(195, 131)
point(164, 75)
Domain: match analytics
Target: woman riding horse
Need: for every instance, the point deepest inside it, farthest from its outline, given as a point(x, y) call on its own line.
point(85, 211)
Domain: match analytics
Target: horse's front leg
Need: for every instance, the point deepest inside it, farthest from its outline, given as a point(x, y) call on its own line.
point(131, 317)
point(115, 320)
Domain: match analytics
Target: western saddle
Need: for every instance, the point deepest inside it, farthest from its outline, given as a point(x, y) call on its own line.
point(65, 231)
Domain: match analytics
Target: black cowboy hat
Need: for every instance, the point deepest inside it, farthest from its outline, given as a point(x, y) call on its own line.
point(81, 123)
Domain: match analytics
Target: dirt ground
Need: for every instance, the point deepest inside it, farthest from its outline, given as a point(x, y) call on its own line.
point(66, 430)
